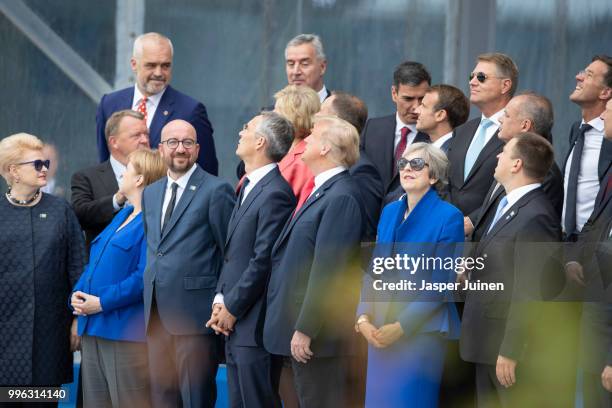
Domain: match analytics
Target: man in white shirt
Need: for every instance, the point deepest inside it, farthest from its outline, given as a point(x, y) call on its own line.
point(442, 109)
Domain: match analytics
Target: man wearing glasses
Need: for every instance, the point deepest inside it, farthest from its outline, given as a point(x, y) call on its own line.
point(474, 148)
point(185, 217)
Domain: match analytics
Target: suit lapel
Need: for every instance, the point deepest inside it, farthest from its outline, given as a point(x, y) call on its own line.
point(605, 159)
point(388, 144)
point(162, 113)
point(574, 132)
point(492, 145)
point(492, 196)
point(107, 175)
point(158, 192)
point(196, 179)
point(460, 145)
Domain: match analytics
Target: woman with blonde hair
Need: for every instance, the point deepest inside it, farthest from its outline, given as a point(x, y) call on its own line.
point(108, 298)
point(41, 256)
point(298, 104)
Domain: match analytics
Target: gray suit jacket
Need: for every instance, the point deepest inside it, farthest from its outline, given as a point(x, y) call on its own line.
point(183, 264)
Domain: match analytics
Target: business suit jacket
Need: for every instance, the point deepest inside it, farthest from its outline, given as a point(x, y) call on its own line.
point(92, 198)
point(183, 263)
point(172, 105)
point(492, 323)
point(315, 272)
point(377, 140)
point(366, 175)
point(468, 195)
point(114, 274)
point(252, 231)
point(605, 156)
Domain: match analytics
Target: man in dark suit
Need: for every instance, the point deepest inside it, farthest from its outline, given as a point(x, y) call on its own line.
point(384, 139)
point(589, 156)
point(313, 289)
point(95, 190)
point(264, 204)
point(526, 112)
point(157, 100)
point(474, 147)
point(185, 219)
point(442, 109)
point(497, 332)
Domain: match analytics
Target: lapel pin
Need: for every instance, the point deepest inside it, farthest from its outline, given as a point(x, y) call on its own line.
point(43, 215)
point(317, 195)
point(192, 188)
point(165, 113)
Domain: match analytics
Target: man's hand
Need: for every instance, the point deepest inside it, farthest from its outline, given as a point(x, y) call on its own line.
point(606, 378)
point(367, 329)
point(505, 371)
point(300, 347)
point(225, 319)
point(85, 304)
point(468, 227)
point(388, 334)
point(574, 273)
point(120, 198)
point(75, 339)
point(213, 322)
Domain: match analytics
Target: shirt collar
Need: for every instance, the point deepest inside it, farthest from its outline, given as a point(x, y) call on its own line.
point(399, 125)
point(183, 180)
point(118, 167)
point(443, 139)
point(322, 94)
point(597, 123)
point(494, 117)
point(320, 179)
point(256, 175)
point(519, 192)
point(153, 100)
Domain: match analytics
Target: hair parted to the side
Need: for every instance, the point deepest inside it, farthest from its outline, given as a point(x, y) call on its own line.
point(536, 153)
point(342, 138)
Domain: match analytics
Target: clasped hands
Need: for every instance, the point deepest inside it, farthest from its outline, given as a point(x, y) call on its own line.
point(85, 304)
point(221, 320)
point(382, 337)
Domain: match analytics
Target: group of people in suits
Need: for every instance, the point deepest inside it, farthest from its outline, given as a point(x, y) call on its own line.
point(185, 271)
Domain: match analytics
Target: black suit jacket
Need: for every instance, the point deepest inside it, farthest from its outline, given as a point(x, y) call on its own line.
point(378, 140)
point(366, 175)
point(469, 195)
point(493, 323)
point(251, 233)
point(605, 156)
point(314, 284)
point(92, 198)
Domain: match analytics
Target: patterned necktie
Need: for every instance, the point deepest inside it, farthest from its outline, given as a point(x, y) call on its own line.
point(500, 208)
point(476, 146)
point(401, 146)
point(142, 107)
point(170, 207)
point(569, 223)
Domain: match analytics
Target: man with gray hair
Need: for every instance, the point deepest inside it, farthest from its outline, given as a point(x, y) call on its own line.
point(153, 96)
point(265, 202)
point(305, 63)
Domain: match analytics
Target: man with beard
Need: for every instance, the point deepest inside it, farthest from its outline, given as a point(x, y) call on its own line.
point(157, 100)
point(185, 218)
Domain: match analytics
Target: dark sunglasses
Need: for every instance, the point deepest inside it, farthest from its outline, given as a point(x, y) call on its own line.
point(38, 164)
point(481, 76)
point(416, 164)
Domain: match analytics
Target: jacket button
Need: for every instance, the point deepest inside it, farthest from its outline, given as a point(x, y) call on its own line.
point(226, 260)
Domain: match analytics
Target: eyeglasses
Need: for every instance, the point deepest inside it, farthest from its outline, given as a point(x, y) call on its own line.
point(416, 164)
point(173, 143)
point(38, 164)
point(482, 77)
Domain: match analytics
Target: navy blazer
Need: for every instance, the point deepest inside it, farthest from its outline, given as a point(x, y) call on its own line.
point(114, 273)
point(252, 231)
point(184, 263)
point(434, 228)
point(315, 271)
point(172, 105)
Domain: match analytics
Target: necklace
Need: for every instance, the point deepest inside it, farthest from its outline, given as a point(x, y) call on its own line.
point(21, 202)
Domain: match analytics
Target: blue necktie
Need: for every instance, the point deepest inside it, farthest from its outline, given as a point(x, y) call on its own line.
point(500, 208)
point(476, 146)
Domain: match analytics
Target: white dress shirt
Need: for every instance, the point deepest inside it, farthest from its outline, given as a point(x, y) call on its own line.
point(398, 132)
point(119, 169)
point(438, 143)
point(325, 176)
point(322, 94)
point(588, 177)
point(152, 102)
point(517, 194)
point(491, 129)
point(182, 184)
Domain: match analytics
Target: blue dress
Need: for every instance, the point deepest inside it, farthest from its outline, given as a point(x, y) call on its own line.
point(408, 372)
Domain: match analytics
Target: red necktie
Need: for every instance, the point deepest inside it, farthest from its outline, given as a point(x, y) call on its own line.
point(401, 146)
point(142, 107)
point(239, 185)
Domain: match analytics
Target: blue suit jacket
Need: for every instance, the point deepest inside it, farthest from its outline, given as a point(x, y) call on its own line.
point(114, 273)
point(315, 271)
point(172, 105)
point(184, 263)
point(433, 221)
point(252, 231)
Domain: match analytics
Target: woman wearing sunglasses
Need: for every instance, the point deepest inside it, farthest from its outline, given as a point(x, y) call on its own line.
point(41, 257)
point(108, 299)
point(408, 333)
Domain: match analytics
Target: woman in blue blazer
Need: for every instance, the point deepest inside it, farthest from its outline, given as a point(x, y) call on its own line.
point(408, 334)
point(108, 299)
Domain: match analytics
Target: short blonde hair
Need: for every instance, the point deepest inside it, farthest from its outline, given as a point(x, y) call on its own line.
point(299, 104)
point(149, 164)
point(12, 150)
point(436, 160)
point(343, 139)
